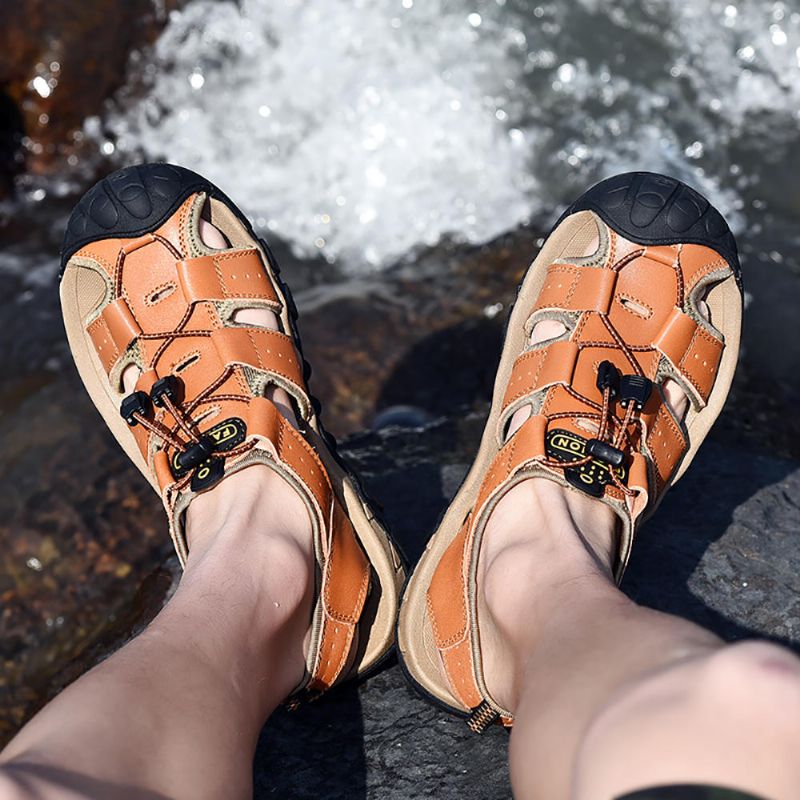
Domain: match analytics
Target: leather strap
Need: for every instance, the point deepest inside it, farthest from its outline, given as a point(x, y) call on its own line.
point(572, 288)
point(113, 332)
point(266, 350)
point(345, 584)
point(448, 613)
point(666, 445)
point(535, 370)
point(264, 420)
point(345, 580)
point(226, 276)
point(448, 605)
point(692, 350)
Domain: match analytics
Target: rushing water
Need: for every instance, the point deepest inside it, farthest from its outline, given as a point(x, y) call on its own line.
point(363, 128)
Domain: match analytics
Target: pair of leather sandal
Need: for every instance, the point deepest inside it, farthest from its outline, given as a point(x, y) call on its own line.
point(625, 271)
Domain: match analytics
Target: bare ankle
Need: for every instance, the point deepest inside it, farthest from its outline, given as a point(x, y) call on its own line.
point(543, 547)
point(542, 535)
point(255, 502)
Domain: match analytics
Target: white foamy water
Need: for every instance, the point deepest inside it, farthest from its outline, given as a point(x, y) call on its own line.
point(360, 129)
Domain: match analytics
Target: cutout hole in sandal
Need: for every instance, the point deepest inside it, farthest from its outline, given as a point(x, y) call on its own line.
point(161, 293)
point(210, 235)
point(256, 317)
point(128, 378)
point(187, 362)
point(547, 330)
point(636, 308)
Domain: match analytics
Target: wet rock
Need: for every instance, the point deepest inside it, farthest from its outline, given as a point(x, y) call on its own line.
point(428, 335)
point(59, 61)
point(80, 530)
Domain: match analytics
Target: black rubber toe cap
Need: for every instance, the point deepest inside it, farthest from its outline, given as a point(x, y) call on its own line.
point(129, 203)
point(648, 208)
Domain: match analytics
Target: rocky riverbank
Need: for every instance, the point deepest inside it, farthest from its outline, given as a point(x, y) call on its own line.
point(84, 557)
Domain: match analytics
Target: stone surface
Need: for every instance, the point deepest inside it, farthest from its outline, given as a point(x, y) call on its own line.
point(57, 67)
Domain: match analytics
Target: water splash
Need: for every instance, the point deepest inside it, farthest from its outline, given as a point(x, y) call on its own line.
point(360, 129)
point(345, 127)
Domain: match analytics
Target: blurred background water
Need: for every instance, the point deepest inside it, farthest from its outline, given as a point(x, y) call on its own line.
point(405, 157)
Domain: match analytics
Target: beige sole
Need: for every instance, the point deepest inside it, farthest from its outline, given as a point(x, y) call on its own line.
point(415, 642)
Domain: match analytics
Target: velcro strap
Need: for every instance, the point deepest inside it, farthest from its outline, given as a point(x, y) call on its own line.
point(225, 276)
point(262, 349)
point(535, 370)
point(122, 327)
point(573, 288)
point(692, 350)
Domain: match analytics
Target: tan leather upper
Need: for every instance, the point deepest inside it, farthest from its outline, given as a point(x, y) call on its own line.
point(167, 307)
point(644, 297)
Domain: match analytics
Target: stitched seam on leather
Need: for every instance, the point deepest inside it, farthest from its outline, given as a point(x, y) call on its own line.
point(220, 278)
point(184, 219)
point(266, 367)
point(573, 288)
point(351, 618)
point(342, 656)
point(310, 492)
point(533, 382)
point(612, 250)
point(101, 323)
point(323, 478)
point(89, 255)
point(443, 644)
point(665, 415)
point(682, 364)
point(703, 271)
point(183, 358)
point(263, 294)
point(574, 271)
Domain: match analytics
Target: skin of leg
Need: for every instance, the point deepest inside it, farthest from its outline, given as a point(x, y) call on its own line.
point(610, 696)
point(177, 711)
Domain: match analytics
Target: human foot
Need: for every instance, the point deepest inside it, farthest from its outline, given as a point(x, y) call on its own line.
point(540, 538)
point(163, 273)
point(580, 437)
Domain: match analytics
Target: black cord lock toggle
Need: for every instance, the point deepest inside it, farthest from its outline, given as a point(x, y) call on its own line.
point(608, 378)
point(634, 389)
point(196, 453)
point(168, 386)
point(134, 403)
point(605, 452)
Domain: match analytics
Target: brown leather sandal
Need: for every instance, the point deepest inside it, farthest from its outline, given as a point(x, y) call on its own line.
point(140, 287)
point(599, 422)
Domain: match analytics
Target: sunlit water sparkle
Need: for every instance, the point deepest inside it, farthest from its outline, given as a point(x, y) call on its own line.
point(359, 130)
